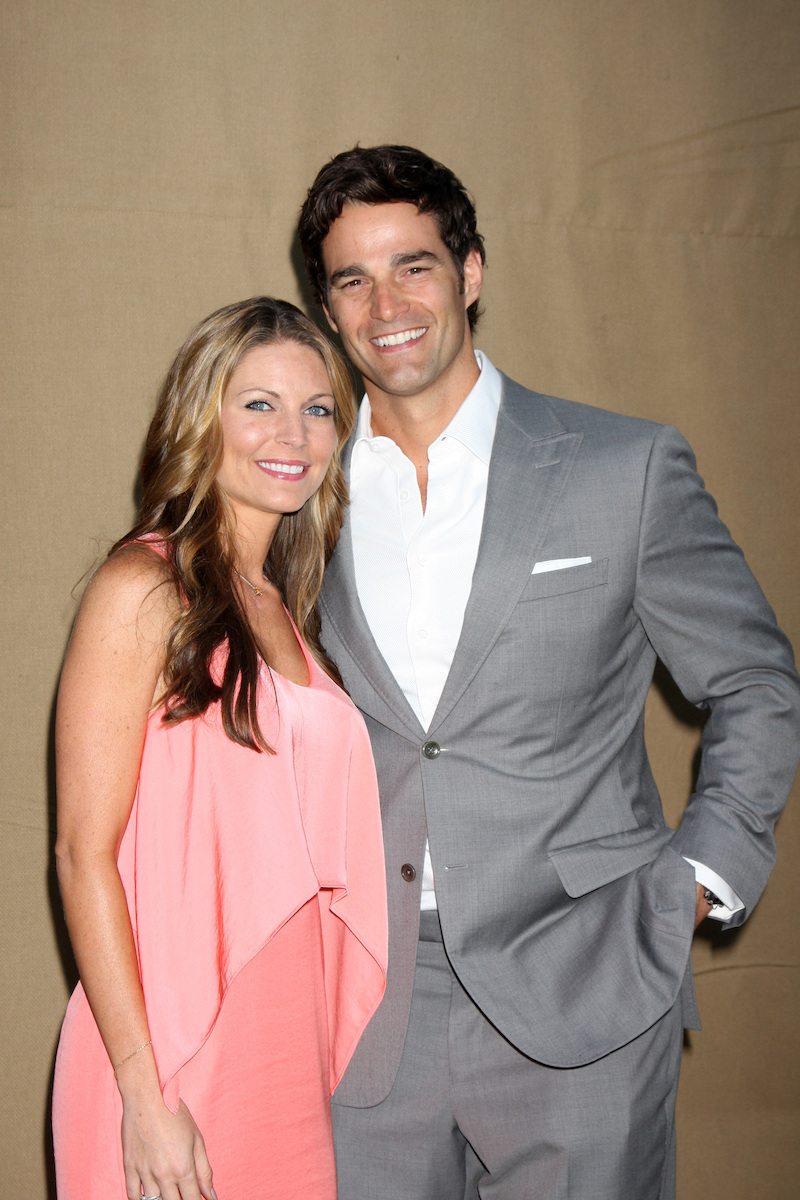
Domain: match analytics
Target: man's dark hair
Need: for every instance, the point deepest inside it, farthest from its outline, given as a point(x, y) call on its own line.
point(388, 175)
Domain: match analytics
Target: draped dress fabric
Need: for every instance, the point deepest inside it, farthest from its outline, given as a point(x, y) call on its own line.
point(256, 891)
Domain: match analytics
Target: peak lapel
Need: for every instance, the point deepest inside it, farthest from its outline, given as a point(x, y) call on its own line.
point(532, 457)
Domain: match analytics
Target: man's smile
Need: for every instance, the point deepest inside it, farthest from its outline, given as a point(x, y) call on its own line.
point(398, 339)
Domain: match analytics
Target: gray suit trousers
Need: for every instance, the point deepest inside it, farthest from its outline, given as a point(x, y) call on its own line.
point(470, 1116)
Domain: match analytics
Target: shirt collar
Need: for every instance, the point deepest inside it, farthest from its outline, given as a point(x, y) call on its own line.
point(474, 423)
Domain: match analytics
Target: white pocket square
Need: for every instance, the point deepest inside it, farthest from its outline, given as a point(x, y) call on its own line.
point(559, 564)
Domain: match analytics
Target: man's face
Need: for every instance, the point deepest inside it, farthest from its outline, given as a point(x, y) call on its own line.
point(396, 300)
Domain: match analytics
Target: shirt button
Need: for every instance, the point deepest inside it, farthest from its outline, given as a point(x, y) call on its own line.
point(423, 558)
point(422, 633)
point(404, 495)
point(431, 749)
point(408, 872)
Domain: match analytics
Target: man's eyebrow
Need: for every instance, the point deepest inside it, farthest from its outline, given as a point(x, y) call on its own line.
point(347, 273)
point(414, 256)
point(397, 260)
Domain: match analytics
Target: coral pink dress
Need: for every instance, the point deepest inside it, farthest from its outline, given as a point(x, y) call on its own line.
point(256, 891)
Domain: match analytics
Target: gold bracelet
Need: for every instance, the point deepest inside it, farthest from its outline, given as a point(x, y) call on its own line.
point(139, 1050)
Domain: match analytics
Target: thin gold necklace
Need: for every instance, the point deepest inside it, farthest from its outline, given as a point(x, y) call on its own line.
point(257, 590)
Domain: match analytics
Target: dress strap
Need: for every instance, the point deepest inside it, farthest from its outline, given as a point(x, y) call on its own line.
point(159, 545)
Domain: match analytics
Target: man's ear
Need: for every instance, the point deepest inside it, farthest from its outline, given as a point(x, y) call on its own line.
point(473, 278)
point(329, 318)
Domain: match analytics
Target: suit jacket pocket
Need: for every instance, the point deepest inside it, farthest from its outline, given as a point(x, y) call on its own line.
point(568, 579)
point(585, 866)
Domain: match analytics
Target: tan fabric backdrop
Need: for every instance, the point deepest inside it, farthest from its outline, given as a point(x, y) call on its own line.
point(635, 169)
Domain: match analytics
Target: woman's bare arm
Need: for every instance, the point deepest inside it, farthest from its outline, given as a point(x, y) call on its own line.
point(110, 678)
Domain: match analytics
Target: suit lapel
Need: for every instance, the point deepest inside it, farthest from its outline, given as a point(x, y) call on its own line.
point(532, 457)
point(343, 609)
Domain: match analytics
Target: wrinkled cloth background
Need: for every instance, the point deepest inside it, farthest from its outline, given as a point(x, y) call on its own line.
point(635, 168)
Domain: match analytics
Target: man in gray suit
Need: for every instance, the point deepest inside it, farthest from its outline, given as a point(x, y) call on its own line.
point(510, 568)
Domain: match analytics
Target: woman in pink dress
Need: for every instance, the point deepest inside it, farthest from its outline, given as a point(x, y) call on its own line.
point(219, 848)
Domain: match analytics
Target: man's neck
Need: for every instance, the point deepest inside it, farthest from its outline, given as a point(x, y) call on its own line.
point(413, 428)
point(415, 422)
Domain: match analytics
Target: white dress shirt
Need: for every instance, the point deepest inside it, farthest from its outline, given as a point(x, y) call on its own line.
point(414, 569)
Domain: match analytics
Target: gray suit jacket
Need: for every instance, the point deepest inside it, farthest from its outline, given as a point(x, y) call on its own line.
point(566, 907)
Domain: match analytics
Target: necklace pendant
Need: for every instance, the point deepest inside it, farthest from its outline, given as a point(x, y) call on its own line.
point(257, 591)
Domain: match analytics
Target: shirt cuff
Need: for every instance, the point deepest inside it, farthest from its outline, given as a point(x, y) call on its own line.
point(707, 878)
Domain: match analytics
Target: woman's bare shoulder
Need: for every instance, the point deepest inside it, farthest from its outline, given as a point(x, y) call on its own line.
point(135, 586)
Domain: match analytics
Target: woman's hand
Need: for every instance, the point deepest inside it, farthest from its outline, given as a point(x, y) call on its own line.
point(164, 1154)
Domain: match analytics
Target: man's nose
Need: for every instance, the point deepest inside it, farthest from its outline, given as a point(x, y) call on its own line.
point(387, 300)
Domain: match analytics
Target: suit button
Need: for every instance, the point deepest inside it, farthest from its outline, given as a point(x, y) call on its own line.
point(408, 872)
point(431, 749)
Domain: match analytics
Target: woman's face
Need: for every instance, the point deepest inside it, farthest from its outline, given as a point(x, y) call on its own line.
point(278, 431)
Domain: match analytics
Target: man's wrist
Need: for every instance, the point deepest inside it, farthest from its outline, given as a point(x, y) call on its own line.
point(711, 900)
point(729, 902)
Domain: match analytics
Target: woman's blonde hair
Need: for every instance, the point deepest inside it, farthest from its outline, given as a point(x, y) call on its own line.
point(183, 504)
